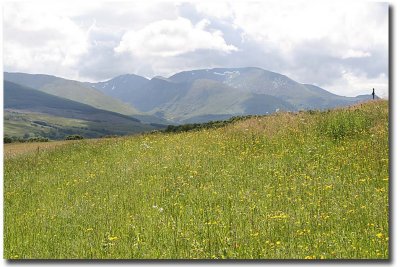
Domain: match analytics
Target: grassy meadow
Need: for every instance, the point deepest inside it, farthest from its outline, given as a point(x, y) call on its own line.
point(308, 185)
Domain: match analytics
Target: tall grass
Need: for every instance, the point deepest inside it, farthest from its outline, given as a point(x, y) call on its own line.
point(286, 186)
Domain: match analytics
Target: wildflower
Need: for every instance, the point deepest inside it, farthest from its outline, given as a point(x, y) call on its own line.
point(379, 235)
point(146, 146)
point(112, 238)
point(159, 209)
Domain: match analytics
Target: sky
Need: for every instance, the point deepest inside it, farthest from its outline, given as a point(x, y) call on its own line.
point(341, 46)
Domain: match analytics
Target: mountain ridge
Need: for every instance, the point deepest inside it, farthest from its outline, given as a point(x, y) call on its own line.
point(215, 92)
point(278, 90)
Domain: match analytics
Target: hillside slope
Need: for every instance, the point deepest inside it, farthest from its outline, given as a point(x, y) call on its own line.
point(28, 111)
point(306, 185)
point(72, 90)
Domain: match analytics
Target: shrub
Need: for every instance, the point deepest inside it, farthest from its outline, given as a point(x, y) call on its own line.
point(38, 139)
point(74, 137)
point(15, 139)
point(7, 140)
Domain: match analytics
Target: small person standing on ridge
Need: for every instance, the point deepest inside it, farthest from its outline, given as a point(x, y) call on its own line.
point(373, 93)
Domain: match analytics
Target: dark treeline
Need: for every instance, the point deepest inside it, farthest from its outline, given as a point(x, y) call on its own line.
point(205, 125)
point(169, 129)
point(13, 139)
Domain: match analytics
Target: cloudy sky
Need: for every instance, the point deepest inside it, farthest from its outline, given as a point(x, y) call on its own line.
point(340, 46)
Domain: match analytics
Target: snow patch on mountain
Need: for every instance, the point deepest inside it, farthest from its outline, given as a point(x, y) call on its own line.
point(278, 83)
point(217, 73)
point(229, 74)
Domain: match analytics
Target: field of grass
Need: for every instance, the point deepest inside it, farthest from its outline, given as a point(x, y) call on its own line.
point(310, 185)
point(17, 149)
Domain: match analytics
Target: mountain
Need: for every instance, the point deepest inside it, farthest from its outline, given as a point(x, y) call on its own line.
point(141, 93)
point(72, 90)
point(263, 82)
point(53, 116)
point(201, 95)
point(205, 98)
point(124, 87)
point(329, 100)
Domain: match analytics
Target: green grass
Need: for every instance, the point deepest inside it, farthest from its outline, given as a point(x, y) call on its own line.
point(275, 187)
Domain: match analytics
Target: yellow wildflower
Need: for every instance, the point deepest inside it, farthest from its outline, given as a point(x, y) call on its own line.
point(112, 238)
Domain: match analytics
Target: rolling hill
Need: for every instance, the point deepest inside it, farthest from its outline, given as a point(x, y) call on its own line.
point(55, 117)
point(72, 90)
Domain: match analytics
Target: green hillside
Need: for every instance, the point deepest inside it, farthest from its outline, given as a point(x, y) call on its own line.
point(34, 113)
point(307, 185)
point(207, 99)
point(72, 90)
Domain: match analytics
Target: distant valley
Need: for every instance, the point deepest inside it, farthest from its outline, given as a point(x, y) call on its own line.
point(45, 105)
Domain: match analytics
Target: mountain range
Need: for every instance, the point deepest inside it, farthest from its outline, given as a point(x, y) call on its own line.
point(198, 95)
point(145, 104)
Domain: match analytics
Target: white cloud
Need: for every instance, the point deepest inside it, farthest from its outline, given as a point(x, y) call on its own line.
point(39, 40)
point(346, 29)
point(167, 38)
point(218, 9)
point(287, 24)
point(292, 22)
point(355, 54)
point(310, 41)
